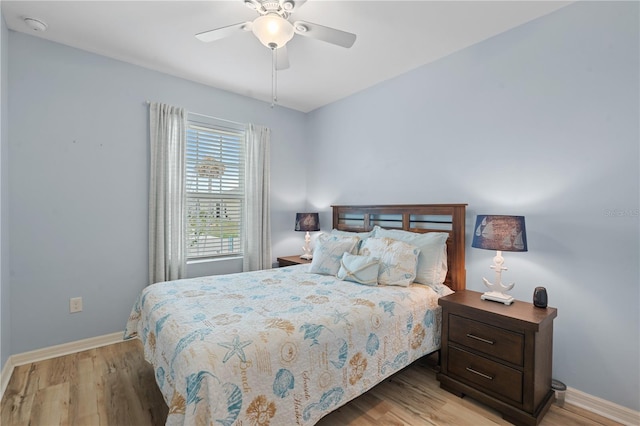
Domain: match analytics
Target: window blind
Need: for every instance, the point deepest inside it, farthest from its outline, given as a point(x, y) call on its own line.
point(215, 189)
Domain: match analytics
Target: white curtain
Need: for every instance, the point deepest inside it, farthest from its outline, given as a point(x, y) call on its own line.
point(257, 223)
point(167, 128)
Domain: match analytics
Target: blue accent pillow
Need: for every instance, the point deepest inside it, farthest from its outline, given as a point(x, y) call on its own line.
point(359, 269)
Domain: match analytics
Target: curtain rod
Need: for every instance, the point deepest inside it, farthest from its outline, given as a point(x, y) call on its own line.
point(208, 116)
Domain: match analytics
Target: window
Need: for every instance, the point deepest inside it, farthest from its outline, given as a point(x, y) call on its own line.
point(214, 189)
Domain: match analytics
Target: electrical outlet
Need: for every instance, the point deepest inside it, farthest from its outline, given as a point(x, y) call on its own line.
point(75, 304)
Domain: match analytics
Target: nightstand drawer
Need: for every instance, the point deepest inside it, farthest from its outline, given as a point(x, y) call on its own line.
point(492, 376)
point(494, 341)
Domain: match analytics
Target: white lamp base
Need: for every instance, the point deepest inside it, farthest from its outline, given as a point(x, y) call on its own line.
point(496, 296)
point(308, 252)
point(498, 288)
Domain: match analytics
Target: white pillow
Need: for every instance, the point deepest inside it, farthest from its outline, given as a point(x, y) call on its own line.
point(398, 260)
point(432, 262)
point(328, 252)
point(361, 235)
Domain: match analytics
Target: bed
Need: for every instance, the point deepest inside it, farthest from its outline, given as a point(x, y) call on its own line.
point(290, 345)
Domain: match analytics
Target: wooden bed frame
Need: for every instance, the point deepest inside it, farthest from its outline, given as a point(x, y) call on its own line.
point(420, 218)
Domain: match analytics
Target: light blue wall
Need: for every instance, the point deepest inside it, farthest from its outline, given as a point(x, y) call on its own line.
point(541, 121)
point(78, 184)
point(5, 287)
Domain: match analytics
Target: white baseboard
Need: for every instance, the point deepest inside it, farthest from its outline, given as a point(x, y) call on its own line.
point(54, 351)
point(600, 406)
point(7, 369)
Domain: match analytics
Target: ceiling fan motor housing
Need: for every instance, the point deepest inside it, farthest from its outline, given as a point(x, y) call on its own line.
point(274, 6)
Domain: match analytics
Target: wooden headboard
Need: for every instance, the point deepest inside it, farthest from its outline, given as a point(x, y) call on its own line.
point(421, 218)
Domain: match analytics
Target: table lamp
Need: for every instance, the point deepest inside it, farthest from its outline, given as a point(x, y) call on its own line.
point(307, 222)
point(500, 233)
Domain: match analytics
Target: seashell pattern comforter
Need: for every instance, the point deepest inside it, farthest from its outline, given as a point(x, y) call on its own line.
point(280, 346)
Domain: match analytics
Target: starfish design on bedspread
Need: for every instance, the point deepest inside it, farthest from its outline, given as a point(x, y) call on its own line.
point(340, 316)
point(235, 347)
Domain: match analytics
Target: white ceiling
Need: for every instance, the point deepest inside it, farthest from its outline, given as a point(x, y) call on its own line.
point(393, 37)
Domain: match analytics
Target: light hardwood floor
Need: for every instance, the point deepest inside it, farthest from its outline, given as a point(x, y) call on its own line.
point(113, 385)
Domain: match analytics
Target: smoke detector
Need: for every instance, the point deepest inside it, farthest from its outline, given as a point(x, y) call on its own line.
point(35, 24)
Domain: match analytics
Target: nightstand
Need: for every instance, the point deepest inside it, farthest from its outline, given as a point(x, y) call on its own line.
point(291, 260)
point(499, 355)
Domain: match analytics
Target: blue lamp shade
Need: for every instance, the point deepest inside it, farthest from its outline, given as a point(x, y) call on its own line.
point(504, 233)
point(307, 222)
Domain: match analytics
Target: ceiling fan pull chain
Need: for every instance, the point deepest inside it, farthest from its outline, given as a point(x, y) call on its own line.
point(274, 87)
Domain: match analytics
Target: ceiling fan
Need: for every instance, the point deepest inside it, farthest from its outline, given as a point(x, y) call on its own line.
point(274, 30)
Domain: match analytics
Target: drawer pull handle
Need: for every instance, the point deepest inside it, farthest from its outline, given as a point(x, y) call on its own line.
point(480, 338)
point(479, 373)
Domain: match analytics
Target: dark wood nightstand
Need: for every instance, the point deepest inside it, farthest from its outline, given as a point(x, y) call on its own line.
point(499, 355)
point(291, 260)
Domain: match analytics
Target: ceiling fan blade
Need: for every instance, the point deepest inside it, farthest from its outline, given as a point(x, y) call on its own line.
point(282, 58)
point(320, 32)
point(224, 32)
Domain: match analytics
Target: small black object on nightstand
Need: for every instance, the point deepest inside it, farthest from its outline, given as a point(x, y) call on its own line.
point(540, 297)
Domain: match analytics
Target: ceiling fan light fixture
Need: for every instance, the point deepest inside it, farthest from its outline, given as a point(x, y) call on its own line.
point(272, 30)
